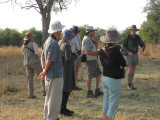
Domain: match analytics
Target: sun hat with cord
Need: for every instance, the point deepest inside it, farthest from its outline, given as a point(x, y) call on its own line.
point(89, 28)
point(29, 36)
point(55, 27)
point(111, 36)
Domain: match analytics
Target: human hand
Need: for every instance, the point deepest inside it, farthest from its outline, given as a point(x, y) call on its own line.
point(42, 75)
point(141, 50)
point(130, 54)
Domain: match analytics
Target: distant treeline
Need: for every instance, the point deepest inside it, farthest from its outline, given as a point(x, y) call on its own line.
point(13, 37)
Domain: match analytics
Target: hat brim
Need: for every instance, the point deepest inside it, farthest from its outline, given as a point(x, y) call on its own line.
point(89, 31)
point(106, 39)
point(25, 38)
point(59, 29)
point(134, 29)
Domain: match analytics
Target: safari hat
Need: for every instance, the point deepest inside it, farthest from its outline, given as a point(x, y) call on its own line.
point(89, 28)
point(133, 27)
point(111, 36)
point(75, 29)
point(29, 36)
point(68, 34)
point(55, 27)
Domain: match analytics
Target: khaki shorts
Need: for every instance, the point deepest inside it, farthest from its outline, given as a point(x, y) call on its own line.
point(93, 68)
point(77, 62)
point(132, 61)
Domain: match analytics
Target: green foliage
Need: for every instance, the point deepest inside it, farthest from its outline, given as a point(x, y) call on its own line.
point(15, 38)
point(150, 30)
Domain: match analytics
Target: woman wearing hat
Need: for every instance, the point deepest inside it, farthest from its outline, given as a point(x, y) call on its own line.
point(130, 48)
point(32, 62)
point(68, 74)
point(112, 60)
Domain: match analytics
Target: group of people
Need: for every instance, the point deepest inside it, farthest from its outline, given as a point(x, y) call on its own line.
point(60, 62)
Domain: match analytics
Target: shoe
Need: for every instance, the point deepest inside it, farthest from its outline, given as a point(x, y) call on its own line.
point(77, 88)
point(31, 97)
point(44, 93)
point(57, 119)
point(131, 87)
point(90, 94)
point(98, 92)
point(65, 113)
point(72, 112)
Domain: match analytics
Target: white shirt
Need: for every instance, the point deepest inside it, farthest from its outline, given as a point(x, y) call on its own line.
point(76, 43)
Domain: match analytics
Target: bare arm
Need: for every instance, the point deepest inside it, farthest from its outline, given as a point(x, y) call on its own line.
point(92, 53)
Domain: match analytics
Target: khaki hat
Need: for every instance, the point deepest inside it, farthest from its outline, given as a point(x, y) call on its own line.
point(111, 36)
point(29, 36)
point(89, 28)
point(55, 27)
point(133, 27)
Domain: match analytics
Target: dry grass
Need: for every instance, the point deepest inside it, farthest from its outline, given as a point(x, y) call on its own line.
point(142, 104)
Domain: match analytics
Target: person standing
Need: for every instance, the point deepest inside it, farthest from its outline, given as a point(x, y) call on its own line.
point(112, 61)
point(89, 47)
point(32, 62)
point(130, 49)
point(68, 75)
point(52, 64)
point(76, 48)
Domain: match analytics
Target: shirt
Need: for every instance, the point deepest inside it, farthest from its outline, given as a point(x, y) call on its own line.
point(89, 45)
point(112, 62)
point(51, 52)
point(130, 44)
point(76, 43)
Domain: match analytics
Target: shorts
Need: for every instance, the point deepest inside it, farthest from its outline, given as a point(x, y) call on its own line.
point(93, 68)
point(77, 62)
point(132, 61)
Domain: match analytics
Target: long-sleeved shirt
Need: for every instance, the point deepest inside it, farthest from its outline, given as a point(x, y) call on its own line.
point(112, 62)
point(130, 44)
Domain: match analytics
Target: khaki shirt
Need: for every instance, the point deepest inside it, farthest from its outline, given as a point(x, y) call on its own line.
point(88, 45)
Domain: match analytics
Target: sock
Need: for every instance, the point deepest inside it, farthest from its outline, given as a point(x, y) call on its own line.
point(129, 78)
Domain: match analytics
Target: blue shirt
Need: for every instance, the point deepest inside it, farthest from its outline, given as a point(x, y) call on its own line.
point(51, 52)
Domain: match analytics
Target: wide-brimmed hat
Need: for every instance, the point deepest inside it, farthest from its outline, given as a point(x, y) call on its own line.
point(89, 28)
point(55, 27)
point(68, 34)
point(29, 36)
point(75, 29)
point(111, 36)
point(133, 27)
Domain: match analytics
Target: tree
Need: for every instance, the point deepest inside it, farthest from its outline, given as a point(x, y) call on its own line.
point(151, 27)
point(43, 7)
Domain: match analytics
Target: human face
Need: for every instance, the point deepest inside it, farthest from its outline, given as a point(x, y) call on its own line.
point(133, 32)
point(58, 34)
point(92, 33)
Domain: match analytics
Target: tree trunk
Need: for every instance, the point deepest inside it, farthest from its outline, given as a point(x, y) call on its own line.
point(45, 27)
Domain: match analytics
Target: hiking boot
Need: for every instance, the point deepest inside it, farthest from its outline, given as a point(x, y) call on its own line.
point(65, 113)
point(31, 97)
point(131, 87)
point(90, 94)
point(77, 88)
point(98, 92)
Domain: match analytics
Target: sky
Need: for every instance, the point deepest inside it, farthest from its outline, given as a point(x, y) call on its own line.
point(97, 13)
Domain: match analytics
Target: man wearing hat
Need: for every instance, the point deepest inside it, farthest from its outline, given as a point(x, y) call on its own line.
point(32, 62)
point(130, 49)
point(52, 64)
point(89, 47)
point(76, 48)
point(112, 61)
